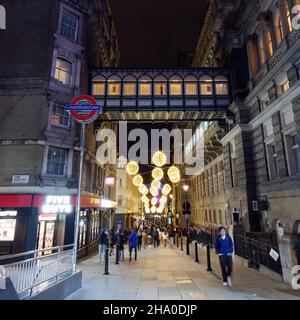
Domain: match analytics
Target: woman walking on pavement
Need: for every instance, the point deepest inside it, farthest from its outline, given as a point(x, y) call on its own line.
point(165, 237)
point(224, 248)
point(140, 239)
point(102, 243)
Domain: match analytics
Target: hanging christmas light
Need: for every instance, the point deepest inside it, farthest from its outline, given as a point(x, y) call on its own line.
point(154, 192)
point(132, 168)
point(166, 189)
point(175, 180)
point(159, 159)
point(154, 201)
point(163, 200)
point(155, 184)
point(137, 180)
point(143, 189)
point(147, 210)
point(145, 199)
point(153, 209)
point(173, 173)
point(157, 174)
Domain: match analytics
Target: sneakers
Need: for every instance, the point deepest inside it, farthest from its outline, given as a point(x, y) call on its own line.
point(229, 281)
point(225, 284)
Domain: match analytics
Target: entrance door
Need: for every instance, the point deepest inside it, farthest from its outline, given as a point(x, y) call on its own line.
point(45, 235)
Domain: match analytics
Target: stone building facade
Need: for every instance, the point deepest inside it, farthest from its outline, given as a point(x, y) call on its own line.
point(260, 145)
point(46, 65)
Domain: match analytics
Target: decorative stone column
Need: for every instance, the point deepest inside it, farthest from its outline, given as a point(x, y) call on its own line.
point(285, 251)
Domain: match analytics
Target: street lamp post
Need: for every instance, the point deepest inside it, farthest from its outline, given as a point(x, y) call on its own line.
point(186, 188)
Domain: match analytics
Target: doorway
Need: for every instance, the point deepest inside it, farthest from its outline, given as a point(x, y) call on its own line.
point(45, 233)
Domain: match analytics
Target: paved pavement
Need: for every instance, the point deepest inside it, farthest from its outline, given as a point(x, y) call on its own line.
point(168, 274)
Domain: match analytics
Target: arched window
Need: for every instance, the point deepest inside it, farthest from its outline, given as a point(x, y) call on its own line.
point(175, 86)
point(269, 42)
point(98, 88)
point(63, 71)
point(190, 85)
point(129, 86)
point(261, 48)
point(221, 84)
point(160, 86)
point(114, 86)
point(206, 85)
point(278, 27)
point(145, 86)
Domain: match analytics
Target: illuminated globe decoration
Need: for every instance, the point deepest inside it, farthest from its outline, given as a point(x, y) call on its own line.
point(145, 199)
point(155, 184)
point(153, 209)
point(137, 180)
point(143, 189)
point(163, 200)
point(160, 210)
point(157, 174)
point(147, 210)
point(154, 192)
point(159, 159)
point(174, 174)
point(166, 189)
point(132, 168)
point(154, 201)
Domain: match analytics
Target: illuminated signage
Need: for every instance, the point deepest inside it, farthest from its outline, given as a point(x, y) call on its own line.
point(57, 204)
point(8, 213)
point(7, 229)
point(109, 182)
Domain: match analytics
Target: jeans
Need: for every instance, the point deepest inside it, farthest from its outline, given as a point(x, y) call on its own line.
point(121, 254)
point(172, 241)
point(226, 266)
point(130, 252)
point(102, 248)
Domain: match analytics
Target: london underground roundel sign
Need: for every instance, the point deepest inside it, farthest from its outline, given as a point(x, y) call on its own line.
point(84, 109)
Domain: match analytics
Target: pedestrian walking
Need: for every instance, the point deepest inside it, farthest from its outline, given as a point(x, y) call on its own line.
point(140, 239)
point(165, 237)
point(102, 243)
point(133, 241)
point(112, 241)
point(145, 238)
point(120, 243)
point(171, 237)
point(224, 248)
point(155, 237)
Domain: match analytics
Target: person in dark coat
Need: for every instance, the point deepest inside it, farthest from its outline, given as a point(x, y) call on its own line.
point(120, 243)
point(102, 243)
point(112, 241)
point(224, 248)
point(133, 241)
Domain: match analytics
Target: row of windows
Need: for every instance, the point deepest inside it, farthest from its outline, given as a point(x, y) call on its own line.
point(268, 39)
point(211, 217)
point(161, 89)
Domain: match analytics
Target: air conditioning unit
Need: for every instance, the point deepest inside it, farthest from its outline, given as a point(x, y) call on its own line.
point(255, 205)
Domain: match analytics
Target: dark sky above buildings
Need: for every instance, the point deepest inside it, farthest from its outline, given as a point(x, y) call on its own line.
point(151, 33)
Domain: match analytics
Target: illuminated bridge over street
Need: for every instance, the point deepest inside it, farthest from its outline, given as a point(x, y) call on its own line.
point(161, 95)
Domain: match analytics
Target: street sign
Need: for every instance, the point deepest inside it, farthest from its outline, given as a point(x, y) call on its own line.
point(84, 109)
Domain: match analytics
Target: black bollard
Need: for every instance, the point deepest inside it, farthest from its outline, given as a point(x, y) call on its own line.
point(106, 262)
point(117, 254)
point(181, 243)
point(196, 252)
point(208, 258)
point(187, 245)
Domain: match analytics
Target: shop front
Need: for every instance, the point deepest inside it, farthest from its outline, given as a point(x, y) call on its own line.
point(30, 222)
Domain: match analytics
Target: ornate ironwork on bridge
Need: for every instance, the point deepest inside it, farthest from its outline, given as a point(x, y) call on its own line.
point(185, 94)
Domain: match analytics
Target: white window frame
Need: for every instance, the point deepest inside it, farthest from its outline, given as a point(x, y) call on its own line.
point(59, 125)
point(68, 11)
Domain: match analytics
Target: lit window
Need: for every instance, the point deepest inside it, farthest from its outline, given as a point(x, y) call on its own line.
point(114, 89)
point(296, 152)
point(160, 89)
point(176, 89)
point(278, 27)
point(69, 26)
point(262, 50)
point(289, 19)
point(191, 89)
point(206, 89)
point(222, 89)
point(63, 71)
point(59, 116)
point(145, 89)
point(269, 42)
point(56, 161)
point(283, 87)
point(129, 89)
point(98, 89)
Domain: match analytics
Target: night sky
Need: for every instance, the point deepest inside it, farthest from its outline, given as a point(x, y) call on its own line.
point(151, 33)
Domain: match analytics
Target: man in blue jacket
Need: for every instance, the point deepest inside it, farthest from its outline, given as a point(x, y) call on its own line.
point(133, 241)
point(224, 248)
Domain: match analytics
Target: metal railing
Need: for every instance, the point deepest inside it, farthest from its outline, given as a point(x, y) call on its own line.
point(39, 269)
point(257, 252)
